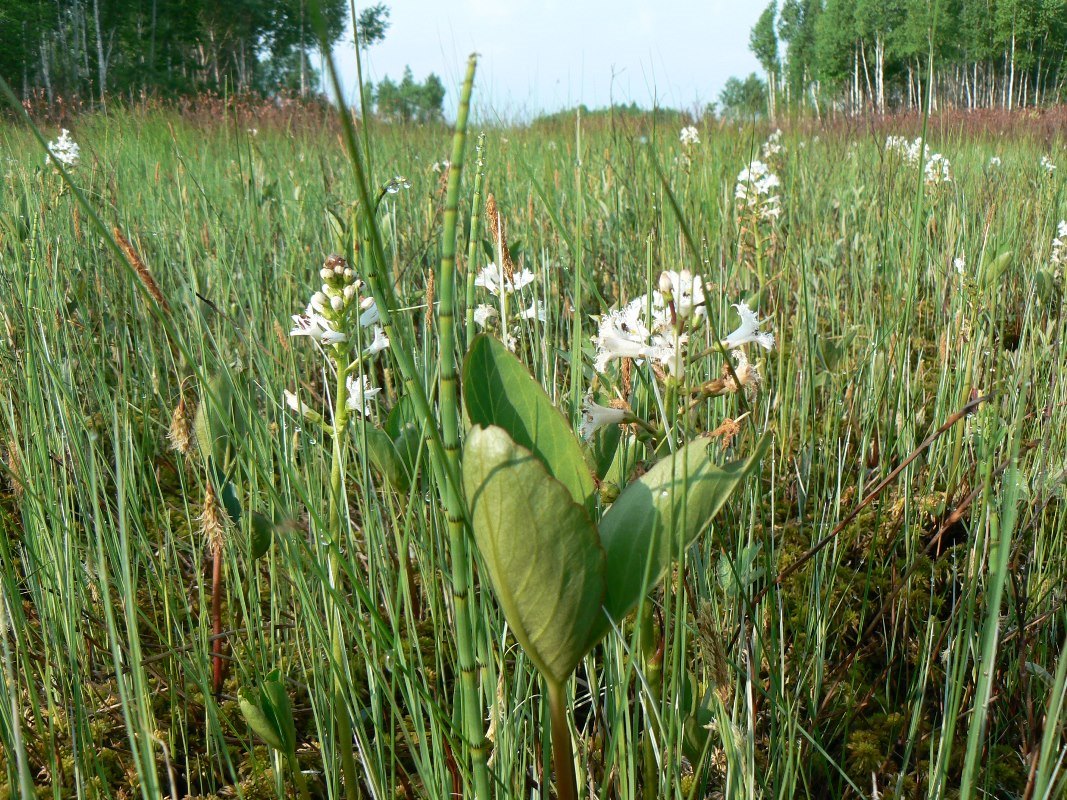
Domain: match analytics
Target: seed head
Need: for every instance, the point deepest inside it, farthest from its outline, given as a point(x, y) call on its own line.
point(213, 521)
point(180, 434)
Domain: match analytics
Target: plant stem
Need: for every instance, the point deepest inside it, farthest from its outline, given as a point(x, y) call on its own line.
point(562, 755)
point(298, 777)
point(473, 239)
point(342, 724)
point(217, 672)
point(473, 730)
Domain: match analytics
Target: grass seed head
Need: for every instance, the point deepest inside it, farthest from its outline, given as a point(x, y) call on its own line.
point(180, 434)
point(213, 521)
point(139, 267)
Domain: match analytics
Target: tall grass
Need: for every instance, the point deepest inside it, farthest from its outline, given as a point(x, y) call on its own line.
point(917, 652)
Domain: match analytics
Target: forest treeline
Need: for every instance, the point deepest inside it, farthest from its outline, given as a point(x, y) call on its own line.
point(880, 55)
point(95, 49)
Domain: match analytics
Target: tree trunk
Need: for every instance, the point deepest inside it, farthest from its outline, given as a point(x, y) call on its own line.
point(101, 59)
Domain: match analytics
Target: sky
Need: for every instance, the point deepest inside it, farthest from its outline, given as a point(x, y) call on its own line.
point(537, 57)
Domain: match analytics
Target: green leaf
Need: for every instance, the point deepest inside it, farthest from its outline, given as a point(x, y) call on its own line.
point(382, 455)
point(657, 516)
point(500, 391)
point(262, 534)
point(231, 502)
point(408, 444)
point(218, 418)
point(542, 552)
point(269, 713)
point(604, 445)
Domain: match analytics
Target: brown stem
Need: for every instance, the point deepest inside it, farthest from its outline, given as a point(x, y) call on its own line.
point(218, 663)
point(562, 757)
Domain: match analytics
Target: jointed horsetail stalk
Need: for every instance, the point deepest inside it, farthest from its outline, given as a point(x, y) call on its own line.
point(445, 469)
point(473, 729)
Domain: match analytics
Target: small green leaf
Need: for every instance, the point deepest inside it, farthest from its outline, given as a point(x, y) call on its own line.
point(604, 445)
point(269, 713)
point(231, 502)
point(218, 418)
point(262, 534)
point(657, 516)
point(542, 552)
point(500, 391)
point(257, 719)
point(382, 455)
point(408, 444)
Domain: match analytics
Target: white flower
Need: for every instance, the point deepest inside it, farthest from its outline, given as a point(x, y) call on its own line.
point(749, 330)
point(960, 263)
point(370, 315)
point(1059, 245)
point(299, 406)
point(937, 170)
point(755, 184)
point(396, 184)
point(689, 136)
point(1047, 165)
point(483, 313)
point(493, 280)
point(315, 327)
point(535, 311)
point(359, 392)
point(994, 162)
point(64, 150)
point(595, 417)
point(621, 335)
point(670, 352)
point(379, 343)
point(773, 146)
point(441, 166)
point(687, 291)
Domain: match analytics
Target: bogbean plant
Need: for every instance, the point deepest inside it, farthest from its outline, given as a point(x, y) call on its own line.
point(567, 566)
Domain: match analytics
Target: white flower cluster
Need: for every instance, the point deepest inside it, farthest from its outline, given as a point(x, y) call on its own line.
point(648, 326)
point(442, 165)
point(331, 316)
point(772, 148)
point(64, 150)
point(960, 265)
point(326, 319)
point(937, 170)
point(994, 162)
point(689, 136)
point(912, 152)
point(493, 280)
point(755, 191)
point(1048, 165)
point(1059, 245)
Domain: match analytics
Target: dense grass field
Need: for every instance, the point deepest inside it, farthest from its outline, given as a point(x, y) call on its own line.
point(876, 611)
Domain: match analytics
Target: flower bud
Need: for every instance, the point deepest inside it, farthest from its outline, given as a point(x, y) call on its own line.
point(665, 284)
point(337, 302)
point(350, 292)
point(325, 274)
point(350, 274)
point(318, 301)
